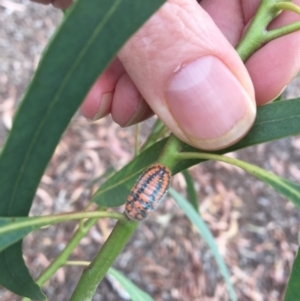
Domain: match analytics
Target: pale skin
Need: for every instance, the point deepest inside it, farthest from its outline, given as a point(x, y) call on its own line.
point(182, 66)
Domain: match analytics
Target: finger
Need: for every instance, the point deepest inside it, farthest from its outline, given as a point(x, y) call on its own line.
point(62, 4)
point(42, 1)
point(228, 16)
point(128, 106)
point(249, 9)
point(273, 67)
point(276, 64)
point(191, 76)
point(97, 103)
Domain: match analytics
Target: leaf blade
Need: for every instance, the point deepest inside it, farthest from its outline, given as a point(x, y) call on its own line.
point(274, 121)
point(70, 65)
point(285, 187)
point(14, 254)
point(192, 195)
point(204, 231)
point(292, 291)
point(134, 292)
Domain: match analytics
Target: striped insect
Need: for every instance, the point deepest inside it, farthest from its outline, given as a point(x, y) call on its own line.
point(148, 191)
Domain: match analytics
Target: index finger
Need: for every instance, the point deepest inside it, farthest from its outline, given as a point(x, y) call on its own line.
point(56, 3)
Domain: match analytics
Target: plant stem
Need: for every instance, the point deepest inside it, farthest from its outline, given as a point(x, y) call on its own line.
point(64, 255)
point(78, 263)
point(120, 235)
point(255, 35)
point(41, 221)
point(60, 260)
point(284, 30)
point(95, 272)
point(287, 6)
point(168, 155)
point(208, 156)
point(254, 170)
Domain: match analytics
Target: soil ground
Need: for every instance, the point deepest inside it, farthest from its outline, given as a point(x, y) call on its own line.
point(255, 228)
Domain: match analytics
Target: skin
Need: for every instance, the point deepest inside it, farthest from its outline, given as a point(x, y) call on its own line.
point(182, 66)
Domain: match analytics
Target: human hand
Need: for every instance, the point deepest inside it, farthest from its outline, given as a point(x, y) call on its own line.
point(182, 66)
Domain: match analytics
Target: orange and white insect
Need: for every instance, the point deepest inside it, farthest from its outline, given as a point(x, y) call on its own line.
point(148, 191)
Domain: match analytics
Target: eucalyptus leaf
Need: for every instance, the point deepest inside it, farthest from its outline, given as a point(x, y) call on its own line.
point(285, 187)
point(190, 188)
point(87, 41)
point(292, 291)
point(204, 231)
point(274, 121)
point(135, 293)
point(15, 275)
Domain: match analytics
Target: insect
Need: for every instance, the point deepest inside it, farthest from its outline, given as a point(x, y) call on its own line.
point(148, 191)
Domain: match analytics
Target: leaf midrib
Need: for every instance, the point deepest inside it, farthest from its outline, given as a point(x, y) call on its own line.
point(276, 120)
point(55, 99)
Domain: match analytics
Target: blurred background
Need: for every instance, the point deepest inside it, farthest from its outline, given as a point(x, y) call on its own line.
point(255, 228)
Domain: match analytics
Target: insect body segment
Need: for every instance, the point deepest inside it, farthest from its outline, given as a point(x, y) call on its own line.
point(148, 192)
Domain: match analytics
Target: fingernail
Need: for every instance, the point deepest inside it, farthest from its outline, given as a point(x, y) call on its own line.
point(104, 107)
point(209, 104)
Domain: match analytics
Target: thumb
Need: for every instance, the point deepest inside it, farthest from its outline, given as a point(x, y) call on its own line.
point(191, 76)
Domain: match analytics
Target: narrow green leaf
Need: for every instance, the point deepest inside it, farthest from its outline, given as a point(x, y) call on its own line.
point(287, 188)
point(18, 279)
point(76, 60)
point(279, 98)
point(274, 121)
point(91, 34)
point(115, 190)
point(135, 293)
point(12, 229)
point(292, 291)
point(204, 231)
point(192, 195)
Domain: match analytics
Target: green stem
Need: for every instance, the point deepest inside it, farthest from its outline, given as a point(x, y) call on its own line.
point(168, 155)
point(95, 272)
point(54, 219)
point(207, 156)
point(287, 6)
point(60, 260)
point(255, 36)
point(78, 263)
point(282, 31)
point(286, 188)
point(120, 235)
